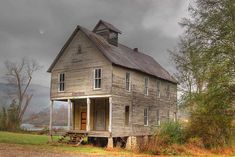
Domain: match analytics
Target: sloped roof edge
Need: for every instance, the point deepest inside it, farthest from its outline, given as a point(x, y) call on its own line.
point(109, 50)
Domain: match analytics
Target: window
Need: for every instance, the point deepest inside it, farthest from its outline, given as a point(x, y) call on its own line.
point(127, 113)
point(175, 116)
point(168, 115)
point(168, 91)
point(146, 118)
point(79, 49)
point(158, 89)
point(97, 78)
point(158, 117)
point(61, 82)
point(128, 83)
point(146, 82)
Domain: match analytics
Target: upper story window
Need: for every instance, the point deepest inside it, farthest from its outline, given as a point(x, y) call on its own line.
point(146, 83)
point(61, 82)
point(97, 78)
point(158, 117)
point(158, 89)
point(146, 116)
point(128, 81)
point(168, 91)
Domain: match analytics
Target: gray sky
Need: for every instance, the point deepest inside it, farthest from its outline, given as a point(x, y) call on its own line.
point(38, 29)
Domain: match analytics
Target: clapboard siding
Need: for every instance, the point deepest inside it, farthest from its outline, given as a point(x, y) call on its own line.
point(79, 69)
point(138, 101)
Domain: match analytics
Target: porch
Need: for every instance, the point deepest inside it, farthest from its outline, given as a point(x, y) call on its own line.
point(87, 115)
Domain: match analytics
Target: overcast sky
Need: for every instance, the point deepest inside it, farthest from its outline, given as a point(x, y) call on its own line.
point(38, 29)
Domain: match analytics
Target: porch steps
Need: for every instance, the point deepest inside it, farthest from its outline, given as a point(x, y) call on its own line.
point(73, 138)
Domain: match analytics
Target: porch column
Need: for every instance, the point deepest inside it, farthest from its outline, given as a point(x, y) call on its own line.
point(88, 114)
point(51, 116)
point(72, 113)
point(110, 114)
point(69, 114)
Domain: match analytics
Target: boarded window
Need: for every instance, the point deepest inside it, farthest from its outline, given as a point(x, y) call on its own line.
point(127, 113)
point(146, 82)
point(146, 116)
point(158, 89)
point(97, 78)
point(61, 82)
point(128, 83)
point(158, 117)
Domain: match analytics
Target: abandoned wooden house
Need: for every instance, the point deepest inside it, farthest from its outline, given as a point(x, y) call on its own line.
point(112, 91)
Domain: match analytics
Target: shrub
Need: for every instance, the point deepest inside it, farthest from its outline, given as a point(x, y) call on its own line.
point(170, 132)
point(164, 136)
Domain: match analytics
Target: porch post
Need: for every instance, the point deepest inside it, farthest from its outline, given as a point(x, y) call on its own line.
point(72, 113)
point(110, 114)
point(69, 114)
point(51, 116)
point(88, 114)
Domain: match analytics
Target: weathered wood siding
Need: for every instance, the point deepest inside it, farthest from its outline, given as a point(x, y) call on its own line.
point(79, 69)
point(138, 101)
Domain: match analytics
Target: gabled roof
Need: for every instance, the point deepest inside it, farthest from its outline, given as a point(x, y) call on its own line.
point(108, 25)
point(122, 55)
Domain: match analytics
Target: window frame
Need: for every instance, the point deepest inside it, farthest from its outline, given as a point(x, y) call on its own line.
point(98, 78)
point(158, 89)
point(146, 86)
point(128, 82)
point(146, 116)
point(61, 82)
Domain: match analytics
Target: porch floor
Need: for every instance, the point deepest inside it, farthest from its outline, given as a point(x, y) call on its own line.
point(92, 133)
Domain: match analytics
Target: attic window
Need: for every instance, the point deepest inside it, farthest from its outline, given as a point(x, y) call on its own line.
point(79, 49)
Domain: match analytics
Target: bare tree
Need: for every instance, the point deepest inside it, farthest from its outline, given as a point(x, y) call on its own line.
point(19, 76)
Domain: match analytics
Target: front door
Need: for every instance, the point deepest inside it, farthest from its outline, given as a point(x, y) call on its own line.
point(99, 117)
point(83, 120)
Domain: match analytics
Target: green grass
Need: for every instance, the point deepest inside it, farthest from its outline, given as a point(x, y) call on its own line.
point(24, 139)
point(41, 142)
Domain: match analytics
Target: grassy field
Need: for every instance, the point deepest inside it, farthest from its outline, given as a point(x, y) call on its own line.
point(30, 145)
point(40, 142)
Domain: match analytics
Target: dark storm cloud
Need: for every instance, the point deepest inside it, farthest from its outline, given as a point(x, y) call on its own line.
point(38, 29)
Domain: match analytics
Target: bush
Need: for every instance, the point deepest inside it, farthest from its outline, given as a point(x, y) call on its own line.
point(164, 137)
point(170, 132)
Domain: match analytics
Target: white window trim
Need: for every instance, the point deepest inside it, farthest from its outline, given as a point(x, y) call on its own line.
point(159, 90)
point(146, 116)
point(146, 87)
point(129, 82)
point(94, 88)
point(58, 83)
